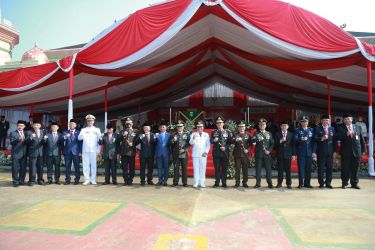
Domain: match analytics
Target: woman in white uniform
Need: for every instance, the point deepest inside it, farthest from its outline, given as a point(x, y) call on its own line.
point(200, 142)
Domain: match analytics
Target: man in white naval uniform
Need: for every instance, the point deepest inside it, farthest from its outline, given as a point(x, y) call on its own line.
point(90, 136)
point(200, 142)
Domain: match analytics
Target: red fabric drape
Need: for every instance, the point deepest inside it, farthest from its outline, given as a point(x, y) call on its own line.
point(138, 30)
point(293, 25)
point(24, 76)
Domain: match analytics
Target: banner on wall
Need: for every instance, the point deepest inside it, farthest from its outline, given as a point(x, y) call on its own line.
point(191, 115)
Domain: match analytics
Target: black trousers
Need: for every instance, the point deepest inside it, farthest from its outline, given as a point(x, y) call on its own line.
point(53, 162)
point(18, 170)
point(110, 169)
point(128, 168)
point(284, 165)
point(241, 163)
point(149, 164)
point(266, 162)
point(36, 168)
point(221, 169)
point(2, 141)
point(325, 162)
point(177, 162)
point(349, 169)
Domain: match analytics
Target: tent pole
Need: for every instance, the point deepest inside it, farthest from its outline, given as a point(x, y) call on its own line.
point(329, 96)
point(70, 102)
point(370, 134)
point(105, 108)
point(170, 115)
point(248, 114)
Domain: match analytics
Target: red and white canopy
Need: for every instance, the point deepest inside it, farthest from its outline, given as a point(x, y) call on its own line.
point(264, 48)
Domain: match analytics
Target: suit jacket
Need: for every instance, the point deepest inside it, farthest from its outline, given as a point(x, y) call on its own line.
point(182, 142)
point(304, 148)
point(351, 146)
point(4, 127)
point(326, 147)
point(162, 144)
point(201, 144)
point(285, 149)
point(127, 145)
point(225, 140)
point(261, 145)
point(35, 145)
point(72, 145)
point(239, 146)
point(110, 147)
point(18, 146)
point(54, 148)
point(147, 149)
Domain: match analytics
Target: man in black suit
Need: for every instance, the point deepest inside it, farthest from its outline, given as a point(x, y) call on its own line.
point(146, 156)
point(35, 142)
point(110, 142)
point(326, 148)
point(17, 140)
point(4, 127)
point(285, 150)
point(72, 152)
point(29, 124)
point(54, 148)
point(352, 147)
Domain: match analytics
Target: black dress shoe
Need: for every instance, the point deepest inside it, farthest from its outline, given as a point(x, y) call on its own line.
point(67, 183)
point(321, 186)
point(289, 187)
point(159, 183)
point(308, 186)
point(300, 186)
point(174, 185)
point(41, 183)
point(150, 183)
point(15, 184)
point(215, 185)
point(257, 186)
point(356, 187)
point(49, 182)
point(105, 183)
point(185, 185)
point(237, 185)
point(224, 185)
point(129, 183)
point(58, 182)
point(165, 184)
point(114, 183)
point(270, 186)
point(21, 183)
point(343, 186)
point(279, 186)
point(30, 184)
point(245, 185)
point(329, 186)
point(76, 182)
point(143, 183)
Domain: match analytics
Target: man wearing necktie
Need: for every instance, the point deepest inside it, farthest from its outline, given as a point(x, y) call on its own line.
point(72, 152)
point(305, 150)
point(54, 148)
point(35, 142)
point(326, 148)
point(110, 142)
point(352, 147)
point(17, 140)
point(285, 150)
point(162, 154)
point(146, 155)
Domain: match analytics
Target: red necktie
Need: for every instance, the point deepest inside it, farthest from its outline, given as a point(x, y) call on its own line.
point(326, 131)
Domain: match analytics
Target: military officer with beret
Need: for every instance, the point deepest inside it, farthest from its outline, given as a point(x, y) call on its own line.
point(221, 139)
point(264, 145)
point(352, 147)
point(305, 150)
point(128, 151)
point(242, 144)
point(180, 147)
point(326, 148)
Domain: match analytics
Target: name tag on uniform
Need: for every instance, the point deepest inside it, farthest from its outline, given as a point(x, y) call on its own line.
point(356, 137)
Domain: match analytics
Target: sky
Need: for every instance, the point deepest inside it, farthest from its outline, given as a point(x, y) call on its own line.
point(59, 23)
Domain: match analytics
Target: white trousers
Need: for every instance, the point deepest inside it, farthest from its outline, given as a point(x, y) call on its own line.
point(89, 163)
point(199, 164)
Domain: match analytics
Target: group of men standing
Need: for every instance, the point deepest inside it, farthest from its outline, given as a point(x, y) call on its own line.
point(305, 143)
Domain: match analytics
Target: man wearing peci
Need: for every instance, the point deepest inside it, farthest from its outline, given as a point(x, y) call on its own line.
point(72, 152)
